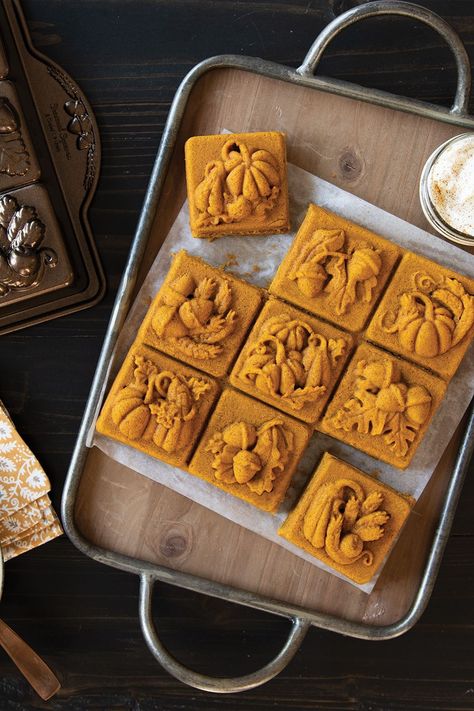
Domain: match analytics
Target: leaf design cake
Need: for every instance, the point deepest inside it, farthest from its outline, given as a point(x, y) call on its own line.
point(383, 406)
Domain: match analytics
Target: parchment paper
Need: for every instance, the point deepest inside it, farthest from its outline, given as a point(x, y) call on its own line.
point(256, 259)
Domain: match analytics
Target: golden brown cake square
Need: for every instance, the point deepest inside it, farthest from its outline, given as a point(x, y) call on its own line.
point(335, 269)
point(347, 519)
point(291, 360)
point(157, 405)
point(250, 450)
point(200, 315)
point(426, 315)
point(237, 184)
point(383, 406)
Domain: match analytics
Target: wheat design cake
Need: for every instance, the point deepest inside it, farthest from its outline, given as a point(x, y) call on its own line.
point(250, 450)
point(157, 405)
point(426, 315)
point(237, 184)
point(200, 315)
point(347, 519)
point(291, 360)
point(335, 269)
point(383, 406)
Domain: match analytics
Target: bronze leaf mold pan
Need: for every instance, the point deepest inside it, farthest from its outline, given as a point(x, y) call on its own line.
point(49, 164)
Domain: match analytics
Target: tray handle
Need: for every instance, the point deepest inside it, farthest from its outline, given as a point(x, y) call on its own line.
point(220, 685)
point(405, 9)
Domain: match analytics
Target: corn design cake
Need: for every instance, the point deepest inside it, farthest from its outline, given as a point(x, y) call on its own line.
point(347, 519)
point(200, 315)
point(426, 315)
point(383, 406)
point(157, 405)
point(291, 361)
point(335, 269)
point(237, 184)
point(250, 450)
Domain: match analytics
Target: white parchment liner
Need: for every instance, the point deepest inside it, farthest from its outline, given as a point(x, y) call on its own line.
point(256, 259)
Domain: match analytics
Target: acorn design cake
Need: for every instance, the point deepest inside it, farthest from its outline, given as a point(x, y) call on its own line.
point(426, 315)
point(347, 519)
point(200, 315)
point(249, 450)
point(383, 406)
point(335, 269)
point(291, 360)
point(157, 405)
point(237, 184)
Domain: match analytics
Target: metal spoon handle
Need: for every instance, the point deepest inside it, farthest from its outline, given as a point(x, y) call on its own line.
point(39, 675)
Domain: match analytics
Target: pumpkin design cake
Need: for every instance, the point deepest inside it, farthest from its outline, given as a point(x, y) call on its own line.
point(200, 315)
point(237, 184)
point(335, 269)
point(157, 405)
point(426, 315)
point(291, 360)
point(347, 519)
point(249, 450)
point(383, 406)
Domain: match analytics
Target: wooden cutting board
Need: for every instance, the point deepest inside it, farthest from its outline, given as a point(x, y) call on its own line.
point(377, 154)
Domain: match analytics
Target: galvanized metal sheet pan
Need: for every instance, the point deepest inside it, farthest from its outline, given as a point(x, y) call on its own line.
point(300, 616)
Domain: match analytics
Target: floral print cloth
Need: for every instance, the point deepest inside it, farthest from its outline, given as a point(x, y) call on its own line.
point(27, 518)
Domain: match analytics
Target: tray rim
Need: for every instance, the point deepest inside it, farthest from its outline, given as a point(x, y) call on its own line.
point(148, 571)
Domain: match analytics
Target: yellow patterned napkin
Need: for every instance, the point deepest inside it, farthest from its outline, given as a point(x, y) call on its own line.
point(27, 518)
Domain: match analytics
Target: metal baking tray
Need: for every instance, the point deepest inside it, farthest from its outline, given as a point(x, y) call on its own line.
point(153, 218)
point(61, 140)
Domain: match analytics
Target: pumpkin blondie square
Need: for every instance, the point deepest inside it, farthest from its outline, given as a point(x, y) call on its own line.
point(157, 405)
point(426, 315)
point(383, 406)
point(200, 315)
point(335, 269)
point(237, 184)
point(291, 360)
point(347, 519)
point(250, 450)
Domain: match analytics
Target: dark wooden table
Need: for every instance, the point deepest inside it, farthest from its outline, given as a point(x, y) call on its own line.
point(82, 617)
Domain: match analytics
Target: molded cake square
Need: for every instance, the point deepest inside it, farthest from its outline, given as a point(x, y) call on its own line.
point(383, 406)
point(347, 519)
point(200, 315)
point(335, 269)
point(250, 450)
point(237, 184)
point(157, 405)
point(291, 360)
point(426, 315)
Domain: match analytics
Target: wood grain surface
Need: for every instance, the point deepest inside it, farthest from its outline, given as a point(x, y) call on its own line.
point(129, 57)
